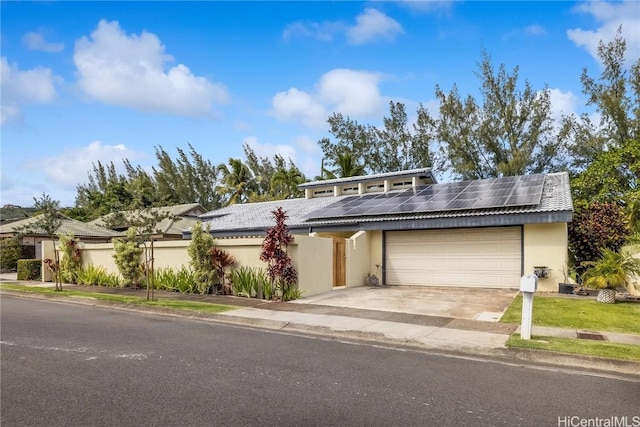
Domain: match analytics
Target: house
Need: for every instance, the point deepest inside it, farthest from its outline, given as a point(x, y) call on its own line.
point(409, 230)
point(32, 239)
point(180, 218)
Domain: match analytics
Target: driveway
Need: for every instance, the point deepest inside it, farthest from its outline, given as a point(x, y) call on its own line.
point(460, 303)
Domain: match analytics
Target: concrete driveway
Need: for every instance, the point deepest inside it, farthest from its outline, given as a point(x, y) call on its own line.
point(460, 303)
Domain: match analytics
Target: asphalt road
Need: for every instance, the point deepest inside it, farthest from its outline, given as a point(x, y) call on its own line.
point(74, 365)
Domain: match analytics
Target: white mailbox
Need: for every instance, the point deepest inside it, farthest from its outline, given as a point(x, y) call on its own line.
point(529, 283)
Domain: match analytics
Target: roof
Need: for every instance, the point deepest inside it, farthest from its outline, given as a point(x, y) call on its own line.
point(68, 225)
point(555, 205)
point(426, 172)
point(184, 216)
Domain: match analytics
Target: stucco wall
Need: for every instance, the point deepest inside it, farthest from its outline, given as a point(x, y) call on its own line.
point(313, 259)
point(546, 245)
point(375, 257)
point(314, 268)
point(358, 255)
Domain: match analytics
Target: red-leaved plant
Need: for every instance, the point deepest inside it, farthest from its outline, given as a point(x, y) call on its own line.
point(280, 270)
point(221, 260)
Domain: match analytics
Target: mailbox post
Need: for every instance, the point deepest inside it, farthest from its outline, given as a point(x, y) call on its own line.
point(528, 285)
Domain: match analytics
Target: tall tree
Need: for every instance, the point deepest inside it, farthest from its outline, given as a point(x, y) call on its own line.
point(615, 94)
point(510, 133)
point(48, 223)
point(345, 166)
point(285, 181)
point(396, 146)
point(237, 181)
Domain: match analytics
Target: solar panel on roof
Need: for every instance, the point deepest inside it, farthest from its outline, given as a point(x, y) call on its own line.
point(481, 194)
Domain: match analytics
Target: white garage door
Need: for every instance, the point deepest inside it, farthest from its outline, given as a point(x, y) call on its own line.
point(478, 257)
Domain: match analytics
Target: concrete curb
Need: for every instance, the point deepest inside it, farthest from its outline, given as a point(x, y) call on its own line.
point(514, 356)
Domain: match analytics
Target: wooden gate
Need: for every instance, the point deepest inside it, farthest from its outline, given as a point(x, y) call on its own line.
point(339, 257)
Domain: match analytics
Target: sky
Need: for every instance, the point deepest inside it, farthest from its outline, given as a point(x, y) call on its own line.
point(83, 82)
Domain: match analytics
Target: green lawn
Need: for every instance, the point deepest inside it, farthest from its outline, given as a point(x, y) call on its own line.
point(202, 307)
point(608, 350)
point(576, 313)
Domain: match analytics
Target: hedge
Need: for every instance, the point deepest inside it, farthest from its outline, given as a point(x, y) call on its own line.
point(29, 269)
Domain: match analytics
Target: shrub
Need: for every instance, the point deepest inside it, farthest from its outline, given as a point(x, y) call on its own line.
point(97, 275)
point(72, 259)
point(247, 281)
point(127, 256)
point(594, 228)
point(220, 261)
point(201, 244)
point(29, 269)
point(280, 268)
point(177, 281)
point(10, 253)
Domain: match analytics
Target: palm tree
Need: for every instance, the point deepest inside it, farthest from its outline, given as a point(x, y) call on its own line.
point(284, 182)
point(346, 166)
point(610, 271)
point(238, 181)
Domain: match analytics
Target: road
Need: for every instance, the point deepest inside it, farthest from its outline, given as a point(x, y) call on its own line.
point(75, 365)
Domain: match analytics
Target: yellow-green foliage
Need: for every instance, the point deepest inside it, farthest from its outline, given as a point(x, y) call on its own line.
point(127, 253)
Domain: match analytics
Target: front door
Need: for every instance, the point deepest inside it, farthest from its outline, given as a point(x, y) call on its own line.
point(339, 257)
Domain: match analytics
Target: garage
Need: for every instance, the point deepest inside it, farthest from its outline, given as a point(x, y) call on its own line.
point(466, 257)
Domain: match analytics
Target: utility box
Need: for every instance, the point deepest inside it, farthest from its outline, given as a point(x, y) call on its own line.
point(529, 283)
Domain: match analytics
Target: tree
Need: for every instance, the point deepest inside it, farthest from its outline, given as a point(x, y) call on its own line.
point(145, 223)
point(238, 182)
point(47, 223)
point(511, 133)
point(280, 268)
point(615, 94)
point(10, 253)
point(395, 147)
point(200, 259)
point(285, 181)
point(345, 166)
point(612, 176)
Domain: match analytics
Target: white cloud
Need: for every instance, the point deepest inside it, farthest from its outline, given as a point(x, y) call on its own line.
point(71, 167)
point(610, 16)
point(307, 144)
point(296, 104)
point(562, 103)
point(323, 31)
point(535, 30)
point(269, 150)
point(429, 6)
point(36, 41)
point(353, 93)
point(370, 25)
point(20, 88)
point(132, 71)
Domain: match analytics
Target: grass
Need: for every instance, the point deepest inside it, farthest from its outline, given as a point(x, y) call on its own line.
point(575, 346)
point(202, 307)
point(621, 317)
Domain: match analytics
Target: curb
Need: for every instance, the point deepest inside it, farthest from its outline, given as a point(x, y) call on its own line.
point(528, 358)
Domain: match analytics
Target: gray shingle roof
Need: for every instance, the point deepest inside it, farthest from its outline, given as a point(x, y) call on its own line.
point(556, 197)
point(177, 225)
point(77, 228)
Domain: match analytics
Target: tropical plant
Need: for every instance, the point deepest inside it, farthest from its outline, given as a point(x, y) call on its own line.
point(613, 269)
point(220, 261)
point(97, 275)
point(127, 253)
point(29, 269)
point(181, 280)
point(238, 182)
point(71, 261)
point(247, 282)
point(200, 258)
point(280, 269)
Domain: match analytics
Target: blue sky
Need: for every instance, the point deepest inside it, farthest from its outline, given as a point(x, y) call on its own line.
point(88, 81)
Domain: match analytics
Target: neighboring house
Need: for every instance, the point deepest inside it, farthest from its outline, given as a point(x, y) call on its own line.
point(87, 233)
point(409, 230)
point(181, 218)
